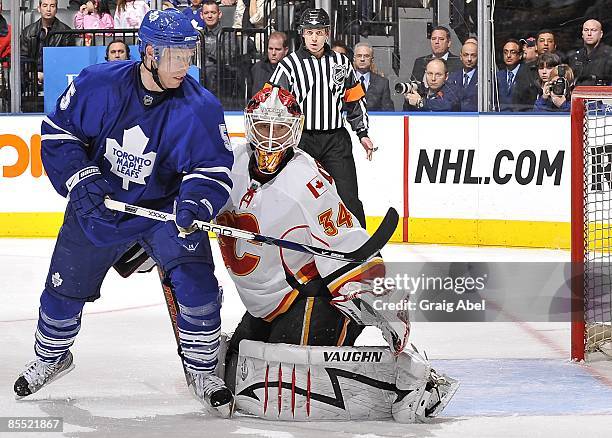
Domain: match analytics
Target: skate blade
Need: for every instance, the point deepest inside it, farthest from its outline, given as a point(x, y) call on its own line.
point(453, 387)
point(57, 376)
point(223, 411)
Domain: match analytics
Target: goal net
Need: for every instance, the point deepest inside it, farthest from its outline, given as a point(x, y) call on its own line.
point(591, 222)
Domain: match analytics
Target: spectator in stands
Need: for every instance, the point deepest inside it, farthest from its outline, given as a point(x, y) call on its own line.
point(340, 46)
point(194, 13)
point(546, 63)
point(129, 13)
point(465, 80)
point(440, 96)
point(378, 95)
point(252, 13)
point(514, 76)
point(42, 33)
point(530, 51)
point(95, 14)
point(592, 64)
point(5, 62)
point(5, 42)
point(117, 50)
point(556, 94)
point(440, 49)
point(211, 14)
point(546, 42)
point(263, 69)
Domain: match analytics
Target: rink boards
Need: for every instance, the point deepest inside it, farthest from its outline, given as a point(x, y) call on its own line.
point(464, 179)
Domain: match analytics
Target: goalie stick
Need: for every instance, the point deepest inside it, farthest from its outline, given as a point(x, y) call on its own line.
point(362, 254)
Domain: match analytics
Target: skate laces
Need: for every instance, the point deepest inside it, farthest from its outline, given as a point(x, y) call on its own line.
point(208, 383)
point(37, 371)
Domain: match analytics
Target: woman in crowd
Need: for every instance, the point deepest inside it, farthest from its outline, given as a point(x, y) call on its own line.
point(129, 13)
point(95, 14)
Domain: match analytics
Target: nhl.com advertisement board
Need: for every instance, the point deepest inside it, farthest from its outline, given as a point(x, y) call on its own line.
point(459, 179)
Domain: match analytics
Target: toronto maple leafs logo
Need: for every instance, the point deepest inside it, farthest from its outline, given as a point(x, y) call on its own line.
point(130, 162)
point(56, 279)
point(154, 15)
point(191, 247)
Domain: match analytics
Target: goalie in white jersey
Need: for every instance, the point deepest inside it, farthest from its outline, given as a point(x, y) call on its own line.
point(298, 299)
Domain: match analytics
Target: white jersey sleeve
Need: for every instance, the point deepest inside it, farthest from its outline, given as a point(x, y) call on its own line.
point(332, 225)
point(300, 204)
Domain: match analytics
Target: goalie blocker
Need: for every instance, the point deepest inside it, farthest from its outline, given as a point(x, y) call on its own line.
point(307, 383)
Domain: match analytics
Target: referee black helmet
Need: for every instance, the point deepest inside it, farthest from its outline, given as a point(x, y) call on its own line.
point(314, 19)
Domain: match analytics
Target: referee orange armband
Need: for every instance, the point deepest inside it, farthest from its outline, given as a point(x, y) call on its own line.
point(354, 93)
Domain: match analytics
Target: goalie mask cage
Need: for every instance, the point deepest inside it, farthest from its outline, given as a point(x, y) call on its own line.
point(591, 240)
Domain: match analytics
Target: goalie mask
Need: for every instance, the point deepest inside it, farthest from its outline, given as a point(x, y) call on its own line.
point(273, 124)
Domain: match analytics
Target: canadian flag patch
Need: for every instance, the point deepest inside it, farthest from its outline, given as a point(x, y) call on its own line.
point(316, 187)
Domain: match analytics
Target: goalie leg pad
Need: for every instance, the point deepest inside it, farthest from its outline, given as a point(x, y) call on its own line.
point(428, 392)
point(307, 383)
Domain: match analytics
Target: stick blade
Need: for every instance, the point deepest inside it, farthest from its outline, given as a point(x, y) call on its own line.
point(379, 239)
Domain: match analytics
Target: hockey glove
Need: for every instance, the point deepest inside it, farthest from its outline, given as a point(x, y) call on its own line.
point(186, 211)
point(86, 191)
point(387, 310)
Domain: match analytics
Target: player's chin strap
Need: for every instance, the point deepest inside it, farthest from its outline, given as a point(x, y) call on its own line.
point(155, 73)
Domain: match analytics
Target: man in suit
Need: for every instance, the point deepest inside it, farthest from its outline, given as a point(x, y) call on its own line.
point(378, 95)
point(440, 49)
point(512, 76)
point(465, 80)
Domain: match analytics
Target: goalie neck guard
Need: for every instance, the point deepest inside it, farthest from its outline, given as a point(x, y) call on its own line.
point(273, 124)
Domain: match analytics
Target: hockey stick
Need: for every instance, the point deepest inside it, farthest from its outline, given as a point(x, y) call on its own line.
point(362, 254)
point(172, 305)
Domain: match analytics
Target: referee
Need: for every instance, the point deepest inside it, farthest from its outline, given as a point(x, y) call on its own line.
point(321, 80)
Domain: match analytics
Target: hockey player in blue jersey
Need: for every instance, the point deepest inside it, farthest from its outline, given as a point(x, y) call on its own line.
point(145, 133)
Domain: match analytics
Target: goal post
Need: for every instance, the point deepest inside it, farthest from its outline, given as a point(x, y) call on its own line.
point(591, 221)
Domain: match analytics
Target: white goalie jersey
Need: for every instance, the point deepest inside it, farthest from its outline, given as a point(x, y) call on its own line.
point(300, 204)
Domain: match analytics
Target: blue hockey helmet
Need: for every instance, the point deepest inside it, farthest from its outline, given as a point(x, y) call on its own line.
point(168, 28)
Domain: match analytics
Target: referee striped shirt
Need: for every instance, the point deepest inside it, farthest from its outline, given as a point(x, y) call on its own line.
point(321, 86)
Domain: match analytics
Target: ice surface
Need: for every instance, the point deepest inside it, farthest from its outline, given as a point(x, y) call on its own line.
point(516, 377)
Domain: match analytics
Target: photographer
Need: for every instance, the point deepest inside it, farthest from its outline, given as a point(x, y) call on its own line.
point(556, 91)
point(440, 96)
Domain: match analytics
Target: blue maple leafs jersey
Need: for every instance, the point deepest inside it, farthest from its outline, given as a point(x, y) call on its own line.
point(150, 147)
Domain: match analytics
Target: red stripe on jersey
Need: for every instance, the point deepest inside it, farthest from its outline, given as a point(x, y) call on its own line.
point(307, 273)
point(367, 271)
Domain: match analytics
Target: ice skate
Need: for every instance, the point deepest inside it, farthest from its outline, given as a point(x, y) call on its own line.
point(442, 388)
point(39, 374)
point(211, 391)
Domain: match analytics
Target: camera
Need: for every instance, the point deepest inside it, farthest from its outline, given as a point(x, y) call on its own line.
point(406, 87)
point(559, 86)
